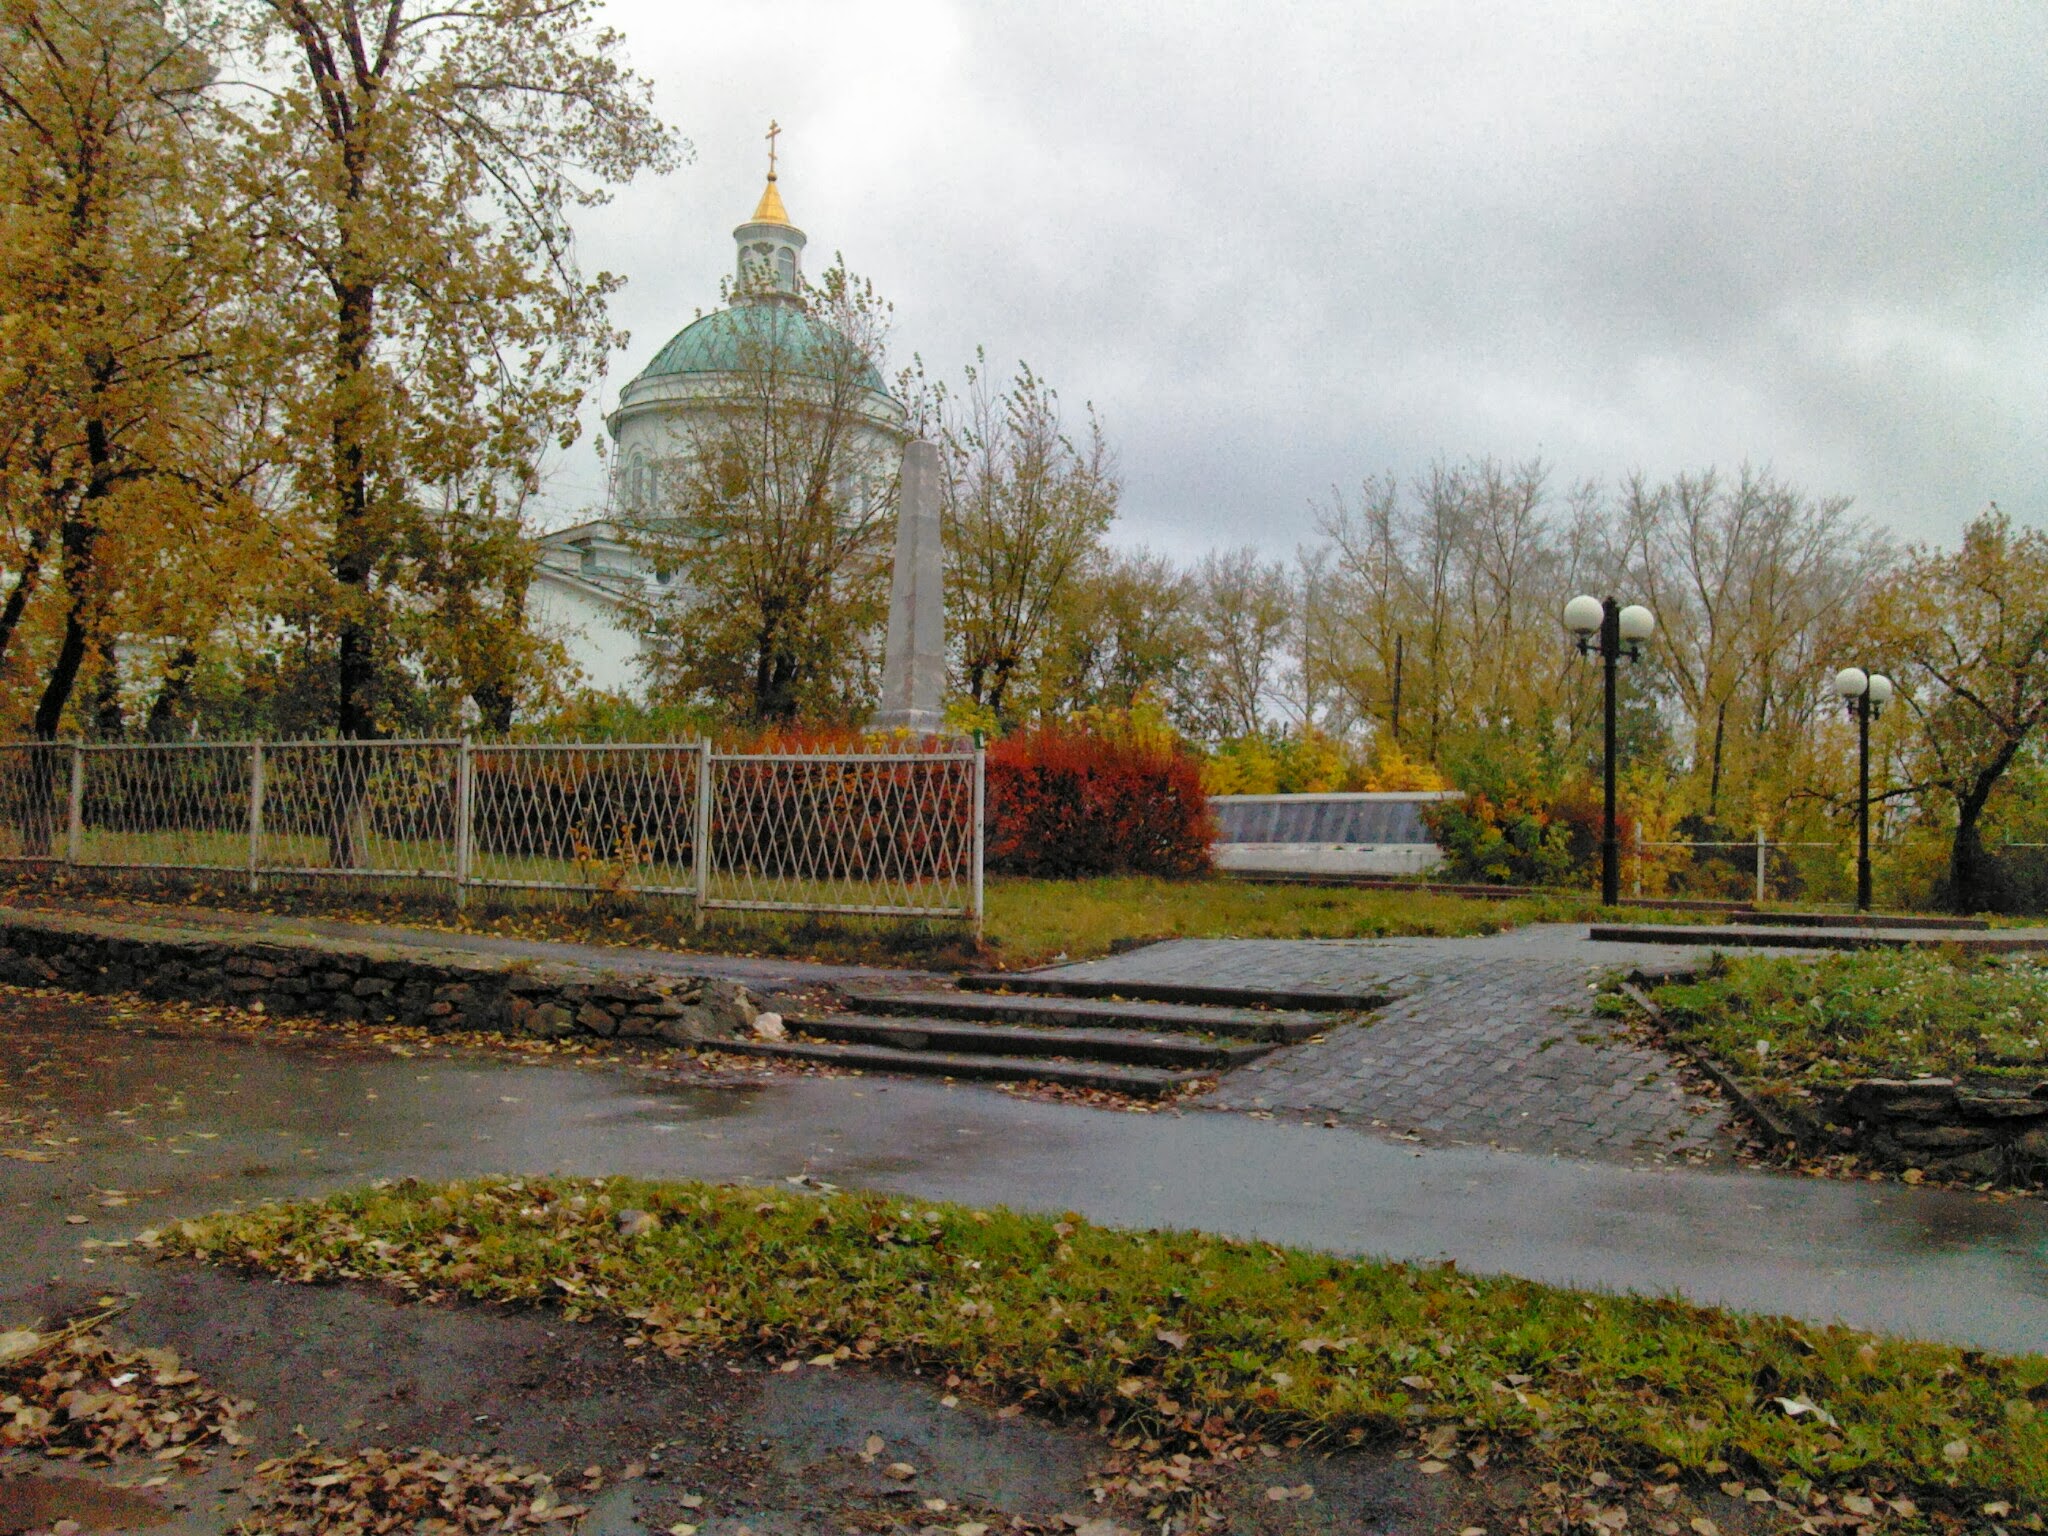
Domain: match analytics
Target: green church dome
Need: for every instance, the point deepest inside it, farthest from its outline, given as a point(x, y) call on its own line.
point(750, 336)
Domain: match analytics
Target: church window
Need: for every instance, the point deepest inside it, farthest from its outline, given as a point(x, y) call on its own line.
point(785, 263)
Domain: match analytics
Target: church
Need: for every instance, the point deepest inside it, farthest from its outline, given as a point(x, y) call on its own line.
point(589, 574)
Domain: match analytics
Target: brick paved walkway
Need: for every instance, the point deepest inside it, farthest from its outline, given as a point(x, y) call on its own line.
point(1490, 1041)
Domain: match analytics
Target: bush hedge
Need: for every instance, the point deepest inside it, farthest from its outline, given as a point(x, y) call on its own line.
point(1065, 800)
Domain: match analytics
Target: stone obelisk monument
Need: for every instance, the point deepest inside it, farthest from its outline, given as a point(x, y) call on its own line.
point(914, 661)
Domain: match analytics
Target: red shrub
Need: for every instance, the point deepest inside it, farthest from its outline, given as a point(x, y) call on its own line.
point(1069, 802)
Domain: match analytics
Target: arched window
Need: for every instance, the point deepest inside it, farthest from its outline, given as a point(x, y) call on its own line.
point(636, 486)
point(785, 266)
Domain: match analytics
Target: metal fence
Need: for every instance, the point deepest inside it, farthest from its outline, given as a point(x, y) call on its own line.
point(877, 834)
point(1766, 857)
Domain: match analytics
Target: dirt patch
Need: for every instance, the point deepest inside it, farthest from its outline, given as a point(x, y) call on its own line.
point(36, 1500)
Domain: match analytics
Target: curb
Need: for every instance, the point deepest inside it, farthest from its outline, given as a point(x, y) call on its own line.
point(1761, 1114)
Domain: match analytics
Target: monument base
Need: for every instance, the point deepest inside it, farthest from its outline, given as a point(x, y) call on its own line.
point(919, 722)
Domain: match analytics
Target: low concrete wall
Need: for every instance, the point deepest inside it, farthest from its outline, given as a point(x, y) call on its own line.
point(362, 981)
point(1389, 859)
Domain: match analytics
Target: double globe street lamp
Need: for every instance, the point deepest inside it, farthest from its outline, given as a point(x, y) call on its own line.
point(1865, 694)
point(1609, 631)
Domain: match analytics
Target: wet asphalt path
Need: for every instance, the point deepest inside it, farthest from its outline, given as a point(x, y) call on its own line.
point(172, 1126)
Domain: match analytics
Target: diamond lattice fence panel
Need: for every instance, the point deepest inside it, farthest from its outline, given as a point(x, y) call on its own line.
point(360, 807)
point(35, 799)
point(597, 818)
point(843, 832)
point(183, 806)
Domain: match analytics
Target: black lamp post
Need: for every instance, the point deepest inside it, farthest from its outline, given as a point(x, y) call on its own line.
point(1620, 632)
point(1865, 694)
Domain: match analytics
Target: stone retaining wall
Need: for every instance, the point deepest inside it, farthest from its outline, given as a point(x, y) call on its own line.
point(367, 982)
point(1938, 1125)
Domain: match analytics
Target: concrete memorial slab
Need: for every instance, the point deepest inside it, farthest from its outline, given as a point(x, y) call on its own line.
point(914, 660)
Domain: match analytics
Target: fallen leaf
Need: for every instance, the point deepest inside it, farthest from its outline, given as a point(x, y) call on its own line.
point(1956, 1452)
point(902, 1471)
point(1432, 1468)
point(1798, 1406)
point(18, 1344)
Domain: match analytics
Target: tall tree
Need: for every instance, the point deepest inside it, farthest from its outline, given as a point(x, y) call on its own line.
point(119, 295)
point(420, 162)
point(770, 524)
point(1967, 631)
point(1124, 634)
point(1026, 509)
point(1750, 580)
point(1245, 606)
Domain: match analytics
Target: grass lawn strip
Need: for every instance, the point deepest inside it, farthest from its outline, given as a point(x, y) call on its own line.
point(1167, 1332)
point(1867, 1013)
point(1029, 922)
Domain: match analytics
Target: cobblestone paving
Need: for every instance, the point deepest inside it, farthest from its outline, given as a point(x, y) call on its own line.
point(1490, 1041)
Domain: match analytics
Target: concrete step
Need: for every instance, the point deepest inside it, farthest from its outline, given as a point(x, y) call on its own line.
point(1130, 1046)
point(1139, 1082)
point(2007, 941)
point(1879, 920)
point(1284, 1026)
point(1054, 984)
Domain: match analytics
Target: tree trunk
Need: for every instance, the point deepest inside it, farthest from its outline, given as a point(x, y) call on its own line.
point(1972, 876)
point(161, 724)
point(1714, 783)
point(353, 556)
point(71, 649)
point(353, 559)
point(109, 724)
point(24, 587)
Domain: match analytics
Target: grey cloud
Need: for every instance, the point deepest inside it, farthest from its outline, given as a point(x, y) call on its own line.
point(1285, 246)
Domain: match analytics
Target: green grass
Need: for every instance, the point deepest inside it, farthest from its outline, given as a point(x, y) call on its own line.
point(1036, 919)
point(1868, 1013)
point(1028, 923)
point(1156, 1327)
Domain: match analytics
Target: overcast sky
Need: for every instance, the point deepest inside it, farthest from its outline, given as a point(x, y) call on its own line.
point(1284, 246)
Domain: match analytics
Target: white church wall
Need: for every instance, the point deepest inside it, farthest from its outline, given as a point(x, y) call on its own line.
point(591, 627)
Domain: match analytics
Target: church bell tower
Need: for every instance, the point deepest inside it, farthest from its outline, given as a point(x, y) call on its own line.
point(770, 247)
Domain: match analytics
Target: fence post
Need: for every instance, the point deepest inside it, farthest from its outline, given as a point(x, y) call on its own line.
point(465, 801)
point(1760, 845)
point(255, 813)
point(702, 841)
point(74, 822)
point(980, 829)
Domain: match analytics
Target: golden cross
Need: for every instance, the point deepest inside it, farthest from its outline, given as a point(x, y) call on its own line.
point(773, 129)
